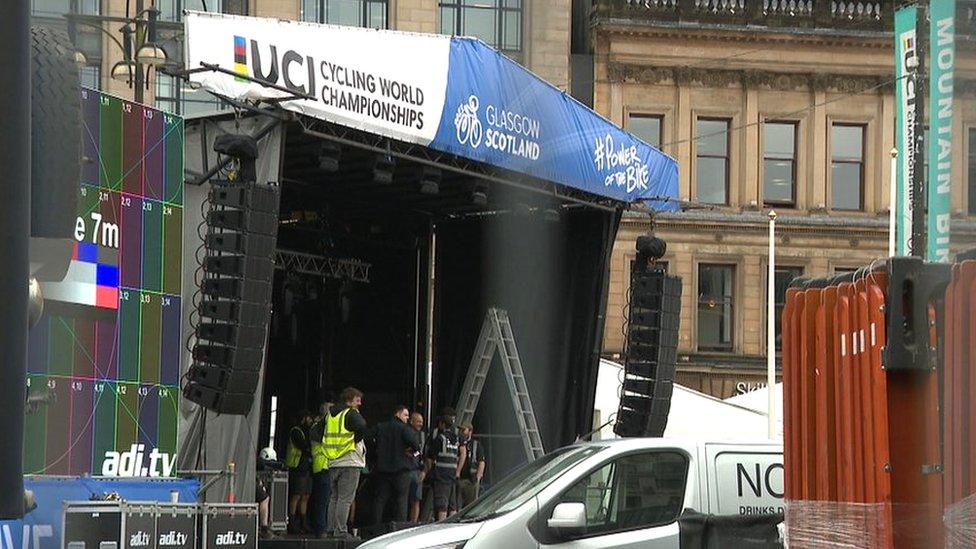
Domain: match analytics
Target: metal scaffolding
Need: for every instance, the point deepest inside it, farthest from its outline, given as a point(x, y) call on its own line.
point(326, 267)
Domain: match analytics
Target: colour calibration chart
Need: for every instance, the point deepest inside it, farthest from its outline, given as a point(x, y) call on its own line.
point(105, 357)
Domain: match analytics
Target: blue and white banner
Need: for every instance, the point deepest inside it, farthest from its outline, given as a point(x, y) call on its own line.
point(41, 528)
point(906, 98)
point(452, 94)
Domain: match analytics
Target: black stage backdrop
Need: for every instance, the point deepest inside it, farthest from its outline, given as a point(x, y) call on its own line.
point(551, 276)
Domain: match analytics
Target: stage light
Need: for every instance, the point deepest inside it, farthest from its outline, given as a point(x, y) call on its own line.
point(383, 168)
point(329, 156)
point(430, 180)
point(479, 197)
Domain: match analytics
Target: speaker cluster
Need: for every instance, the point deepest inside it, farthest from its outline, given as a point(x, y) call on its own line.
point(238, 266)
point(652, 343)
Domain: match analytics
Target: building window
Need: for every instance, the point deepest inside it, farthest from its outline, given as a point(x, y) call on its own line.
point(647, 127)
point(847, 167)
point(784, 276)
point(58, 8)
point(716, 307)
point(90, 77)
point(842, 270)
point(712, 174)
point(972, 171)
point(172, 10)
point(779, 163)
point(173, 95)
point(496, 22)
point(353, 13)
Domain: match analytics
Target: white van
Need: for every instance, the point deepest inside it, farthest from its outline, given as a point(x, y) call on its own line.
point(616, 493)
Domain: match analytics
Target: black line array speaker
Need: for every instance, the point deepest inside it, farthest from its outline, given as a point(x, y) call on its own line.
point(652, 343)
point(235, 304)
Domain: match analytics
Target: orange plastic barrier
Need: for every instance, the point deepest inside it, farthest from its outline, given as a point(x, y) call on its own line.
point(879, 442)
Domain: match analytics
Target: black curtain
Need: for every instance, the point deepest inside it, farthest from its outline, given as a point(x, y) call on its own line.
point(551, 276)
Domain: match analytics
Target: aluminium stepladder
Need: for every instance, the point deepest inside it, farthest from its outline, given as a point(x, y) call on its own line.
point(496, 334)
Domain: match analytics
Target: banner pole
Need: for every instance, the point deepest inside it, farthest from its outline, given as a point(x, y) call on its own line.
point(919, 200)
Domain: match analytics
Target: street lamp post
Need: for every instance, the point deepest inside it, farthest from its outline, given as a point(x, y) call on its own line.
point(771, 328)
point(140, 49)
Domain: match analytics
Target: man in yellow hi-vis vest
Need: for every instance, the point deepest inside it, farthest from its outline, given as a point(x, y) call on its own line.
point(346, 453)
point(320, 473)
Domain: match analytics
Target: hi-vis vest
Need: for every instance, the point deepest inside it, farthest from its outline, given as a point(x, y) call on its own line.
point(293, 455)
point(447, 457)
point(319, 461)
point(473, 458)
point(338, 441)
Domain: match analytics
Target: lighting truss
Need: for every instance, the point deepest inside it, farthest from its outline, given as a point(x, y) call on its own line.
point(326, 267)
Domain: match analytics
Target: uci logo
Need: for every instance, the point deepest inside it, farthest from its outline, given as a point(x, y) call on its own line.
point(467, 124)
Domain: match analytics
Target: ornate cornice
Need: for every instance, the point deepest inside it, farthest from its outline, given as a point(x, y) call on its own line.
point(746, 78)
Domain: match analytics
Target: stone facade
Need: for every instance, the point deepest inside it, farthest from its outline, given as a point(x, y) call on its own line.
point(748, 73)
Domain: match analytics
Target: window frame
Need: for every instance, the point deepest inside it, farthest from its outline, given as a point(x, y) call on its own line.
point(543, 534)
point(849, 160)
point(660, 126)
point(728, 157)
point(732, 307)
point(794, 160)
point(179, 98)
point(500, 9)
point(779, 306)
point(322, 13)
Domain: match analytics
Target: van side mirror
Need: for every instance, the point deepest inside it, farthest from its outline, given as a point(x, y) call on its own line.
point(568, 516)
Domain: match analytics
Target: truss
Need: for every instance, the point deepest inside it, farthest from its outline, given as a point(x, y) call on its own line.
point(326, 267)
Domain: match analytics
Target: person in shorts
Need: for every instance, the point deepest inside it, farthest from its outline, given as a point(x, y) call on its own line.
point(442, 466)
point(417, 480)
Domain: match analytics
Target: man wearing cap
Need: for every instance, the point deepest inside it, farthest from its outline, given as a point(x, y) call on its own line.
point(472, 467)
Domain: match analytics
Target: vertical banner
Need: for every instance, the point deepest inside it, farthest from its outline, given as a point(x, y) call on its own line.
point(906, 65)
point(942, 66)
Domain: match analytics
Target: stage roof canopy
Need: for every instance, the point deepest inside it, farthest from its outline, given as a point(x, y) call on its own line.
point(453, 95)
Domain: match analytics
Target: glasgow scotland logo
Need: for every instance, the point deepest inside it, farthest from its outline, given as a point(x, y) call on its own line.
point(467, 124)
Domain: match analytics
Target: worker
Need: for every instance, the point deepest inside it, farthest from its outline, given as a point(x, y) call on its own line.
point(396, 450)
point(267, 462)
point(442, 465)
point(321, 486)
point(346, 454)
point(418, 476)
point(473, 466)
point(298, 459)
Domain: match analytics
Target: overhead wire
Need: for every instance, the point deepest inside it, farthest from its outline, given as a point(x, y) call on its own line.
point(808, 108)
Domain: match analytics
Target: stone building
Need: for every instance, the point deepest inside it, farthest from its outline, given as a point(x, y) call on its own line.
point(535, 33)
point(765, 105)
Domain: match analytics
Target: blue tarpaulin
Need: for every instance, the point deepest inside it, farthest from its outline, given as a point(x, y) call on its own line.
point(497, 112)
point(41, 528)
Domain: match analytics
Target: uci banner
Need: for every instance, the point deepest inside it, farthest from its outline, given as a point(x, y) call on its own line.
point(906, 65)
point(455, 95)
point(942, 66)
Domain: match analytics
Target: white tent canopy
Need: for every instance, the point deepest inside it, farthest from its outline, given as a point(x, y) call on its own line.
point(693, 414)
